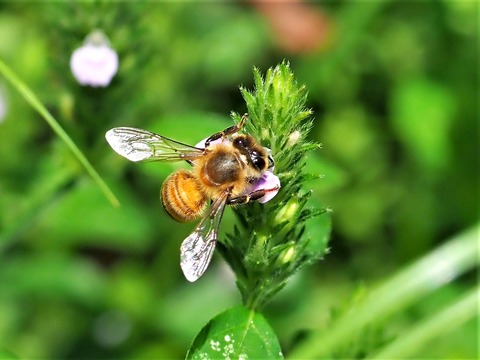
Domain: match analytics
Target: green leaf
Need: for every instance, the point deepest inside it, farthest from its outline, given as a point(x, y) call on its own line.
point(237, 333)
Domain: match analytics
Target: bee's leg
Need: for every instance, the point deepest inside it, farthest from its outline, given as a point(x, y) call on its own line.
point(245, 199)
point(228, 131)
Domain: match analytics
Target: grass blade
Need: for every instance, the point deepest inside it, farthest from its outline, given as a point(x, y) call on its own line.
point(443, 322)
point(414, 282)
point(34, 102)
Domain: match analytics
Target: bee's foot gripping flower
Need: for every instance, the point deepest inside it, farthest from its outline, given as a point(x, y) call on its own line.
point(95, 63)
point(268, 181)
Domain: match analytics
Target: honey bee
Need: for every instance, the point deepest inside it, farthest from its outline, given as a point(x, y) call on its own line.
point(225, 169)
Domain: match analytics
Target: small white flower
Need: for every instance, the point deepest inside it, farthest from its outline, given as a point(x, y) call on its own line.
point(95, 63)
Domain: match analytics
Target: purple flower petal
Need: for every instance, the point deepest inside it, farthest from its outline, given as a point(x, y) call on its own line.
point(268, 181)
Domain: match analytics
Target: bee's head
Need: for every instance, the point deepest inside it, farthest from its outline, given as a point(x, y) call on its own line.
point(255, 154)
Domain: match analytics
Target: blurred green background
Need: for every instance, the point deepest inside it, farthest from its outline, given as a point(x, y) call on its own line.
point(394, 89)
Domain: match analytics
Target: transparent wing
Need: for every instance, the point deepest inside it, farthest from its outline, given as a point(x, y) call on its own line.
point(197, 249)
point(137, 145)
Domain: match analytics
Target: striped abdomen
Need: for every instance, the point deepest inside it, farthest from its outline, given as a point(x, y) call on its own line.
point(182, 196)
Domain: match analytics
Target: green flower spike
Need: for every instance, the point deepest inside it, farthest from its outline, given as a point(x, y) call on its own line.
point(271, 242)
point(275, 239)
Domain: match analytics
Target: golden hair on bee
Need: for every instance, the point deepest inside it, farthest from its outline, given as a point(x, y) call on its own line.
point(223, 172)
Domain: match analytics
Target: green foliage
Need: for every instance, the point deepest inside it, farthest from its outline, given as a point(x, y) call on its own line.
point(370, 312)
point(394, 94)
point(237, 333)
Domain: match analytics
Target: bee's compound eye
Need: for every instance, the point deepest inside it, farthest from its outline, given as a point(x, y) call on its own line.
point(258, 162)
point(240, 142)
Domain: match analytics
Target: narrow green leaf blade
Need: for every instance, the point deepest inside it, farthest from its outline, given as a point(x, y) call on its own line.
point(432, 328)
point(237, 333)
point(35, 103)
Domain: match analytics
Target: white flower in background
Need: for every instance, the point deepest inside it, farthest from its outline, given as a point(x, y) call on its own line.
point(95, 63)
